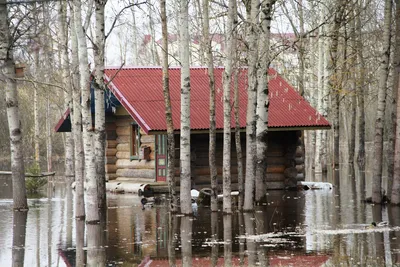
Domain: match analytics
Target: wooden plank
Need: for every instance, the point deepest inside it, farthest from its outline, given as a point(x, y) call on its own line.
point(111, 160)
point(136, 173)
point(123, 130)
point(124, 121)
point(123, 139)
point(111, 152)
point(147, 138)
point(123, 147)
point(111, 135)
point(111, 168)
point(111, 176)
point(123, 155)
point(135, 164)
point(112, 143)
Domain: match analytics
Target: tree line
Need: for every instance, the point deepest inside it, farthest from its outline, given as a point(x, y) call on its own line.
point(331, 57)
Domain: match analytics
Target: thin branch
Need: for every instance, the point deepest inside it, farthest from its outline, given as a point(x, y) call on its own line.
point(115, 74)
point(119, 14)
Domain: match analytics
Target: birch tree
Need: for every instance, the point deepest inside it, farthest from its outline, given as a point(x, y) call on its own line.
point(359, 89)
point(394, 102)
point(91, 204)
point(185, 174)
point(395, 188)
point(168, 110)
point(211, 81)
point(7, 81)
point(64, 64)
point(332, 76)
point(77, 125)
point(379, 120)
point(100, 120)
point(262, 98)
point(226, 168)
point(252, 22)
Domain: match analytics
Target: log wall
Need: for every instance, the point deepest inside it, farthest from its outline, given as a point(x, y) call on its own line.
point(285, 159)
point(124, 167)
point(111, 144)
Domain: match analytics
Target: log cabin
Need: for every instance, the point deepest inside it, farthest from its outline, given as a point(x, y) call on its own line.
point(136, 125)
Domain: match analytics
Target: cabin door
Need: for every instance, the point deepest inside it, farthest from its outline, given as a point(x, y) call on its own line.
point(161, 158)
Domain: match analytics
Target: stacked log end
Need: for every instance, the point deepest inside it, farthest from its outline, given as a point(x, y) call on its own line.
point(111, 148)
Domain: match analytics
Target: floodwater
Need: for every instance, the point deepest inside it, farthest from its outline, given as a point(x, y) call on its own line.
point(303, 228)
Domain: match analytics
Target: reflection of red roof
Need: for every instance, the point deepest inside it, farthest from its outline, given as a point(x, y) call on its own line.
point(297, 260)
point(140, 91)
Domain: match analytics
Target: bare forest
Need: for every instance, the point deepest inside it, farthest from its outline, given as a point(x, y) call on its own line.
point(342, 56)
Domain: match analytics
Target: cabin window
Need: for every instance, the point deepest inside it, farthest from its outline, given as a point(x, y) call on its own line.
point(135, 141)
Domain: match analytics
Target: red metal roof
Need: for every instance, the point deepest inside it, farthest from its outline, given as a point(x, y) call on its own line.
point(140, 91)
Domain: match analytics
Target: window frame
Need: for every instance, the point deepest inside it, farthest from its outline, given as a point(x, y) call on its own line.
point(134, 145)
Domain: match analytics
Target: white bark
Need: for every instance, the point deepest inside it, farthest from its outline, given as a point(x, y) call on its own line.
point(100, 120)
point(379, 120)
point(36, 124)
point(321, 93)
point(49, 144)
point(226, 159)
point(7, 81)
point(77, 127)
point(262, 99)
point(395, 194)
point(63, 47)
point(168, 111)
point(185, 200)
point(212, 135)
point(395, 188)
point(251, 108)
point(91, 205)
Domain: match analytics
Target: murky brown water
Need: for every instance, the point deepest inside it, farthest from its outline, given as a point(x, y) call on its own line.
point(299, 226)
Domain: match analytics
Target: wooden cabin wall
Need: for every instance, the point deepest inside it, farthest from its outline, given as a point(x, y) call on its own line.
point(127, 169)
point(111, 148)
point(284, 159)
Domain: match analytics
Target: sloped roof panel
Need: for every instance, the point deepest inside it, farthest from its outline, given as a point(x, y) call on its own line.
point(140, 90)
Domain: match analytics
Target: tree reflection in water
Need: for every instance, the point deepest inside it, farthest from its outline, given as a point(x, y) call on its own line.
point(186, 240)
point(19, 233)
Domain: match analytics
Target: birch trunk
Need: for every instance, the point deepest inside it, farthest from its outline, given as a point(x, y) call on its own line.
point(49, 144)
point(238, 142)
point(360, 87)
point(395, 91)
point(212, 134)
point(7, 81)
point(168, 111)
point(227, 76)
point(263, 99)
point(333, 76)
point(395, 187)
point(100, 120)
point(251, 107)
point(77, 126)
point(36, 124)
point(320, 84)
point(379, 120)
point(91, 205)
point(395, 194)
point(185, 200)
point(63, 47)
point(353, 61)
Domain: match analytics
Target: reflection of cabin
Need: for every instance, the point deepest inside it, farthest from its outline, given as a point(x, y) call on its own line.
point(136, 126)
